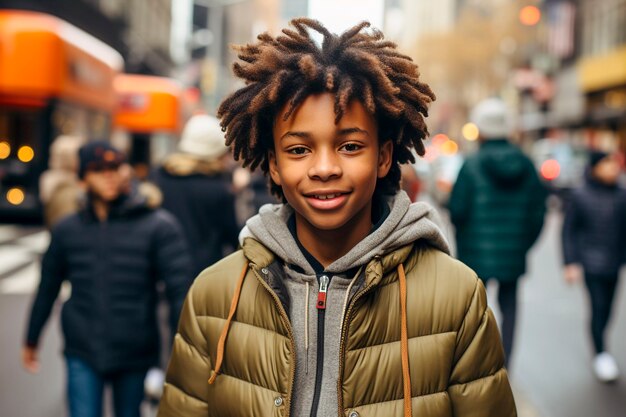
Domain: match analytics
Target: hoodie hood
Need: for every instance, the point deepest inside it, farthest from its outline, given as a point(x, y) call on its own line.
point(503, 163)
point(406, 223)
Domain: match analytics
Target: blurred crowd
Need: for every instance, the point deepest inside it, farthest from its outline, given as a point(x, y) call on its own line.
point(497, 200)
point(144, 203)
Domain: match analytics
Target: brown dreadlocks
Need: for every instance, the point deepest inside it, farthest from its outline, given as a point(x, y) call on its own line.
point(357, 64)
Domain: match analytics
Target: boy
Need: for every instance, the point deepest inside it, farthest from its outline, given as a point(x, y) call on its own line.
point(594, 244)
point(113, 252)
point(346, 302)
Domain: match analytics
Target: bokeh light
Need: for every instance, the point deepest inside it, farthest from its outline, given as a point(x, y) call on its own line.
point(25, 154)
point(450, 147)
point(440, 139)
point(530, 15)
point(550, 169)
point(5, 150)
point(470, 131)
point(15, 196)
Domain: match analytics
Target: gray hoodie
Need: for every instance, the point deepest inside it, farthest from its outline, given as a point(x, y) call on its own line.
point(405, 224)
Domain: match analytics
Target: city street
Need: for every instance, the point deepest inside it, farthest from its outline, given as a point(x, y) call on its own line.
point(550, 370)
point(552, 363)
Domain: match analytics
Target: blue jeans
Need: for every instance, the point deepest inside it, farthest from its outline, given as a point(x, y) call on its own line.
point(85, 389)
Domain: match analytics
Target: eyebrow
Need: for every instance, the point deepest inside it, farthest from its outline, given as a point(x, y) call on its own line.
point(349, 130)
point(304, 135)
point(307, 135)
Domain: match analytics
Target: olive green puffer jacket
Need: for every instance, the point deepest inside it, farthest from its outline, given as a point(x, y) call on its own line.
point(455, 359)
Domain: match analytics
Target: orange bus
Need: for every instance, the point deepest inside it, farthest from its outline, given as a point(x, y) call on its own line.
point(54, 79)
point(148, 119)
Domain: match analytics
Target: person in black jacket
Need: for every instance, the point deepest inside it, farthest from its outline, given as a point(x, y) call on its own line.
point(197, 191)
point(594, 244)
point(113, 253)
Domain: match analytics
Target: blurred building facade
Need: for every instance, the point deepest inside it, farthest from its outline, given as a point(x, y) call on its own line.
point(580, 88)
point(222, 23)
point(138, 29)
point(601, 66)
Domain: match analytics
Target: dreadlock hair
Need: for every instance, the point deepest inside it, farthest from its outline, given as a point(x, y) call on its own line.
point(281, 72)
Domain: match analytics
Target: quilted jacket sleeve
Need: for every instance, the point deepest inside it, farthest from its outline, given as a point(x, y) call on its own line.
point(479, 386)
point(186, 383)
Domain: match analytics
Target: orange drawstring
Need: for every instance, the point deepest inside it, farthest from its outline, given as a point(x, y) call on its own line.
point(404, 345)
point(222, 340)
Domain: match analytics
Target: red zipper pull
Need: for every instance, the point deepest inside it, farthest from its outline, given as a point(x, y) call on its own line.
point(321, 294)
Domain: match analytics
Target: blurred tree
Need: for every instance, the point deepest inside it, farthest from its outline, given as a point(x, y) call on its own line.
point(474, 59)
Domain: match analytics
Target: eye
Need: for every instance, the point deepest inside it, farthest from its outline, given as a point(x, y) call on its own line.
point(298, 150)
point(351, 147)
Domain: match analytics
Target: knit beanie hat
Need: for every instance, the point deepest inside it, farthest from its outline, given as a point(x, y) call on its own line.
point(98, 155)
point(595, 157)
point(492, 118)
point(203, 137)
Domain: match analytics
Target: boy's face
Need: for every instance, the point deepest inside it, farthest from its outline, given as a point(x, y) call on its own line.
point(607, 170)
point(328, 171)
point(105, 183)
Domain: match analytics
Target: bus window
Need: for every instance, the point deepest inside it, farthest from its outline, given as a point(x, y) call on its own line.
point(20, 157)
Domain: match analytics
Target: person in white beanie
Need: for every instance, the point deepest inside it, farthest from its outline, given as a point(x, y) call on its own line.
point(59, 187)
point(197, 190)
point(497, 207)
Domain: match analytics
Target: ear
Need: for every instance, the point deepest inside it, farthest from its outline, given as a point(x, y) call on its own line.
point(273, 165)
point(385, 158)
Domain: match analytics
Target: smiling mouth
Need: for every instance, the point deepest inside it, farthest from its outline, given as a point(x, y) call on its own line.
point(326, 196)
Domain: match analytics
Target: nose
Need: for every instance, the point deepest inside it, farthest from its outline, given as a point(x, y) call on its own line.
point(325, 166)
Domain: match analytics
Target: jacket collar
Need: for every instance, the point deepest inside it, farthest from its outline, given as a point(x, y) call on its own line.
point(125, 205)
point(375, 270)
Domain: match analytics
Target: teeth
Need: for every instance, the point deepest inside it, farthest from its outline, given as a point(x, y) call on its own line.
point(326, 197)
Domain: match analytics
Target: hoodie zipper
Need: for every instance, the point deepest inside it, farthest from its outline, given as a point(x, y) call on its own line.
point(324, 281)
point(287, 323)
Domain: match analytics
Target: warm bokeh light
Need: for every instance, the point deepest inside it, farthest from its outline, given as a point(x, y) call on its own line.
point(550, 169)
point(5, 150)
point(449, 147)
point(15, 196)
point(470, 131)
point(440, 139)
point(530, 15)
point(25, 154)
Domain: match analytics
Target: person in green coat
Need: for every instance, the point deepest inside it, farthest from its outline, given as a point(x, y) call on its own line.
point(497, 207)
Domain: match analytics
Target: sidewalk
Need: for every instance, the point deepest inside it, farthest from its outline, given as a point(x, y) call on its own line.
point(524, 407)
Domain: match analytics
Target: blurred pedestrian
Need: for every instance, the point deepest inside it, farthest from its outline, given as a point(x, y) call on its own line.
point(113, 252)
point(410, 181)
point(497, 206)
point(343, 300)
point(197, 190)
point(594, 245)
point(59, 186)
point(252, 192)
